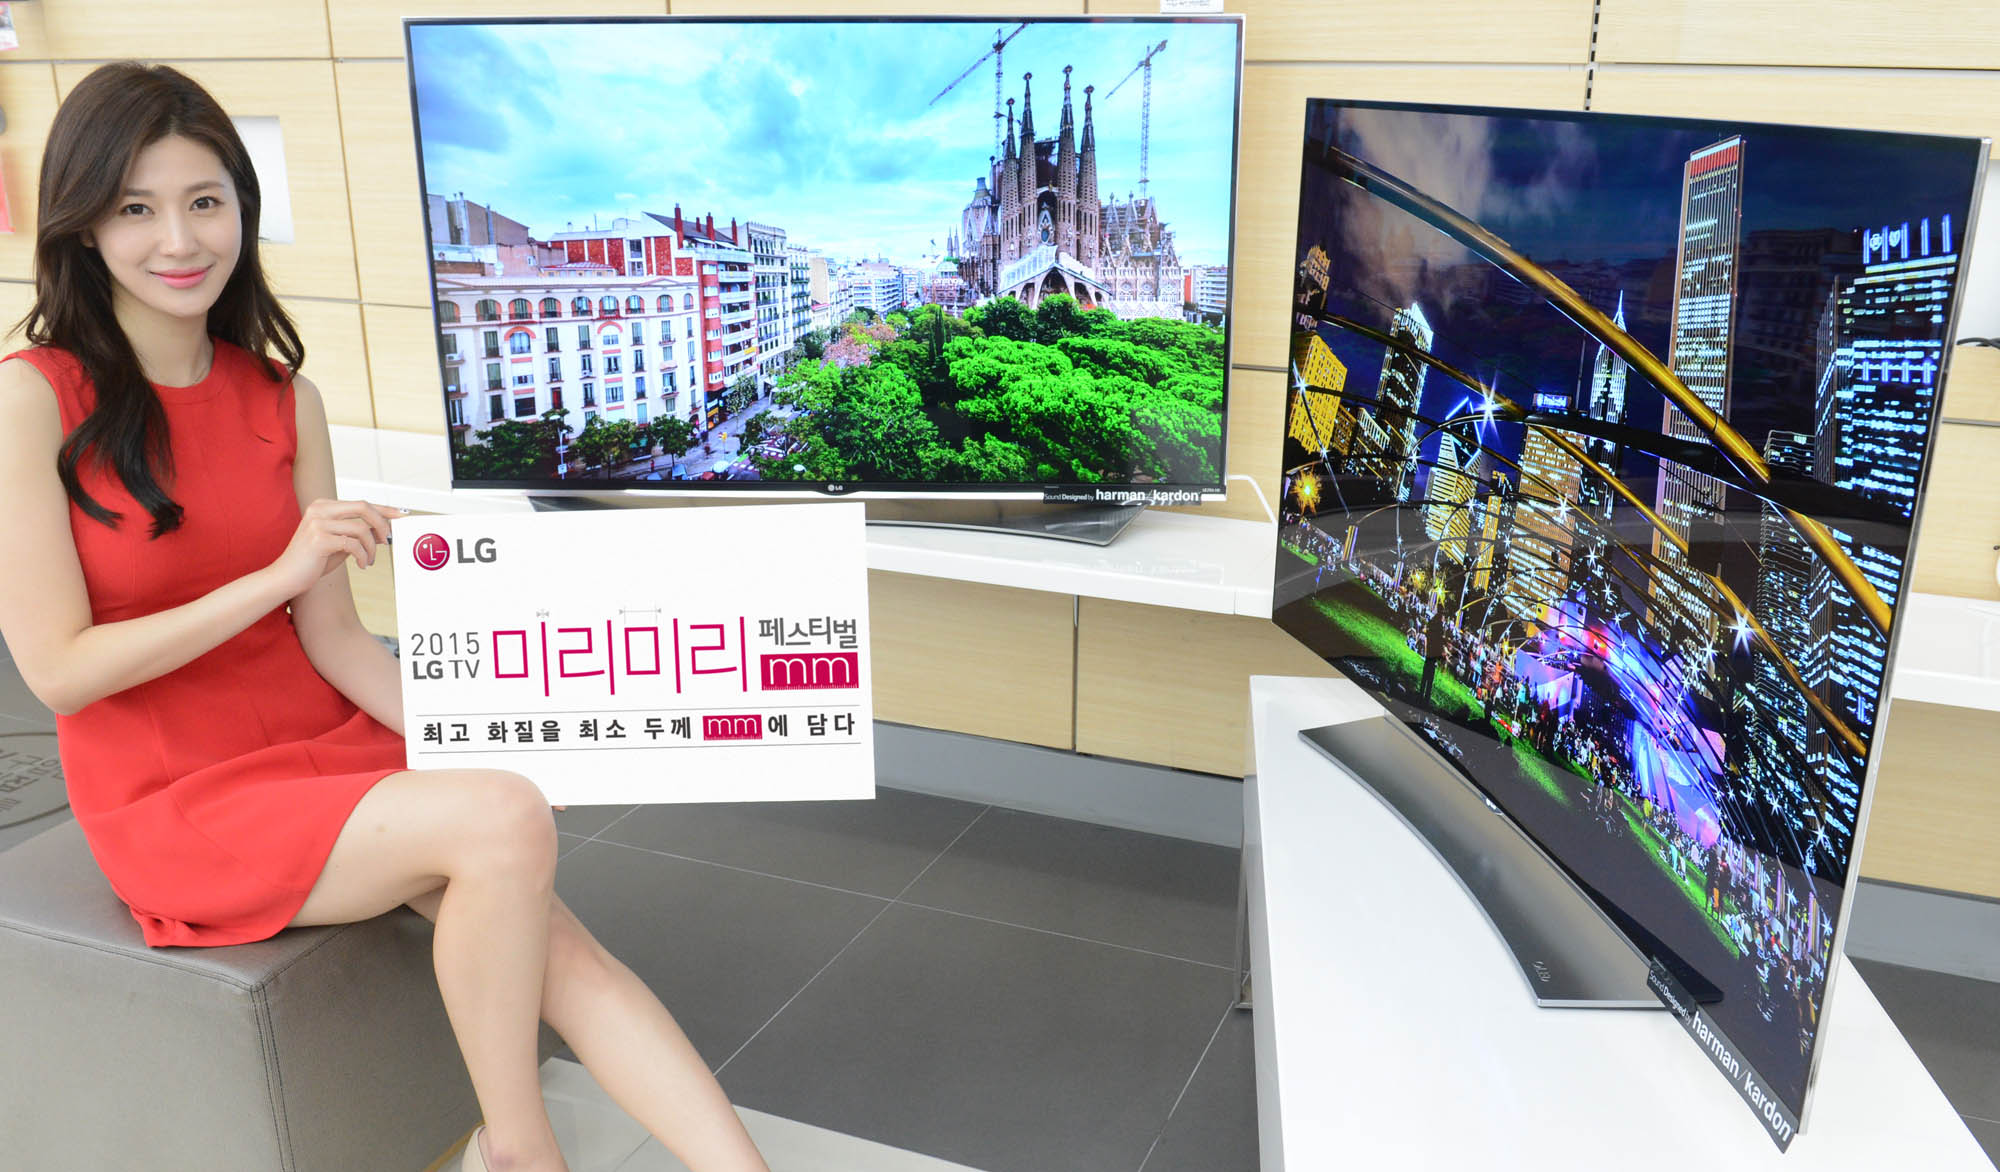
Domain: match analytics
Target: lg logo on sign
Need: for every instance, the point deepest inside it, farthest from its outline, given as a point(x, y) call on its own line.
point(433, 551)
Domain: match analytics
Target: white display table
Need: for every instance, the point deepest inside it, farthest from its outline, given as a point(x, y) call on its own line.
point(1949, 652)
point(1163, 559)
point(1393, 1030)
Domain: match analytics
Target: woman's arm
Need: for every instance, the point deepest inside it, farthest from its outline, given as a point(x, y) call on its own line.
point(65, 659)
point(340, 648)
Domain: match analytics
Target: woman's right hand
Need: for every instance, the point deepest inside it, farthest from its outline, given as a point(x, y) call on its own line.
point(330, 532)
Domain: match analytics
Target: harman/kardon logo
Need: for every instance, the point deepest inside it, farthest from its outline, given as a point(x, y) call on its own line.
point(433, 551)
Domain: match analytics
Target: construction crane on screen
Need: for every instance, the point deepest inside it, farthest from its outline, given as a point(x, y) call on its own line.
point(997, 52)
point(1145, 66)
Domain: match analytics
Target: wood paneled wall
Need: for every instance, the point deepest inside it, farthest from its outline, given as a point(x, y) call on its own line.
point(1936, 811)
point(332, 73)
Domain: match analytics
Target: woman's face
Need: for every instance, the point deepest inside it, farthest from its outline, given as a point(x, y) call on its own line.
point(176, 233)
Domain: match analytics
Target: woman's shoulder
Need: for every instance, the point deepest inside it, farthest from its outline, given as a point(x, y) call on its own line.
point(25, 399)
point(57, 366)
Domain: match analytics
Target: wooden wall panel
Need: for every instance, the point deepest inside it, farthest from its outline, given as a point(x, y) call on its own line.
point(1932, 34)
point(374, 28)
point(1172, 687)
point(986, 660)
point(1935, 816)
point(1526, 31)
point(1961, 521)
point(388, 210)
point(336, 359)
point(1972, 388)
point(1267, 190)
point(28, 95)
point(403, 368)
point(154, 30)
point(31, 32)
point(16, 298)
point(320, 263)
point(1964, 102)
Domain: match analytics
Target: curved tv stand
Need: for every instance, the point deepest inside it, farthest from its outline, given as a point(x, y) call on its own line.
point(1569, 953)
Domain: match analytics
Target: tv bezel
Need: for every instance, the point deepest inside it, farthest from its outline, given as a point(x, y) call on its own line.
point(1052, 492)
point(1865, 802)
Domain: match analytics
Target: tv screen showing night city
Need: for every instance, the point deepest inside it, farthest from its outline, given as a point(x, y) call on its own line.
point(832, 255)
point(1603, 452)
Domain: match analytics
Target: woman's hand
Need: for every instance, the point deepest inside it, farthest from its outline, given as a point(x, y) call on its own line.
point(329, 533)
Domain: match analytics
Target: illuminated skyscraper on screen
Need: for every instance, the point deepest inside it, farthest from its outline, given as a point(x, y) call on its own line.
point(1775, 714)
point(1604, 401)
point(1316, 410)
point(1883, 398)
point(1545, 522)
point(1401, 393)
point(1447, 495)
point(1703, 332)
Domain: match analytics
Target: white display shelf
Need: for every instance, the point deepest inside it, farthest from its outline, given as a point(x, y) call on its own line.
point(1949, 652)
point(1394, 1030)
point(1179, 560)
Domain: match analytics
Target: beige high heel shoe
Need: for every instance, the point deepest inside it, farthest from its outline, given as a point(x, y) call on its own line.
point(474, 1161)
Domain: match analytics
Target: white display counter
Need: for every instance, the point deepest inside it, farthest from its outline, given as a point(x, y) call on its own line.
point(1393, 1030)
point(1163, 559)
point(1949, 652)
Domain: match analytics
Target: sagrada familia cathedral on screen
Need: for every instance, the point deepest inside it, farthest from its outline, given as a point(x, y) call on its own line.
point(1037, 227)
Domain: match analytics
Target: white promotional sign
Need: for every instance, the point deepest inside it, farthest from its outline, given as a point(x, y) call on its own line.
point(641, 655)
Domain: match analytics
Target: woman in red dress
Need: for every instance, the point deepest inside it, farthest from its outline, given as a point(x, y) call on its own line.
point(176, 592)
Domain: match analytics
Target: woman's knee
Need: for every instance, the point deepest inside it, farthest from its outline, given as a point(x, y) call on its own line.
point(511, 826)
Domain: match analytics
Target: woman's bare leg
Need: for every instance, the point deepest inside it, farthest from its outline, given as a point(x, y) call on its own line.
point(634, 1049)
point(482, 845)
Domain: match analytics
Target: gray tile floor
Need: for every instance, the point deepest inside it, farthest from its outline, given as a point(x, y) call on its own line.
point(1004, 990)
point(999, 989)
point(1953, 1023)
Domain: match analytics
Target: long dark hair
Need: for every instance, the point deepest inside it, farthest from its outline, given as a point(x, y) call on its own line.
point(112, 115)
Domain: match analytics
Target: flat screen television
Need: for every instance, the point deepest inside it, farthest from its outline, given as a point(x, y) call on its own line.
point(877, 255)
point(1604, 449)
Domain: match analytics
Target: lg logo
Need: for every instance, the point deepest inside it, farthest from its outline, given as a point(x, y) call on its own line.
point(433, 551)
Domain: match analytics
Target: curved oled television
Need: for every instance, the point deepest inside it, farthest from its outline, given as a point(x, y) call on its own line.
point(1604, 450)
point(935, 256)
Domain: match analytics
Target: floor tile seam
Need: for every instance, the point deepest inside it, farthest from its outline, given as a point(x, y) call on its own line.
point(1226, 968)
point(756, 1033)
point(600, 831)
point(955, 839)
point(1186, 1086)
point(1980, 1118)
point(883, 899)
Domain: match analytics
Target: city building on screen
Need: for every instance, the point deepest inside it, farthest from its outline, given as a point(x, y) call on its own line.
point(636, 319)
point(1877, 399)
point(1543, 551)
point(1703, 334)
point(1400, 395)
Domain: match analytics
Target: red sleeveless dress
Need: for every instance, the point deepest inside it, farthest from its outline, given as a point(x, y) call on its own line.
point(211, 795)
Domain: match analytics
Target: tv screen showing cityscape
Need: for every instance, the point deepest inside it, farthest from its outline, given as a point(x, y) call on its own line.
point(840, 254)
point(1604, 444)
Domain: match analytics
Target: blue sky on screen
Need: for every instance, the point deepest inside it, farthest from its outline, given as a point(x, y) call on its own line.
point(823, 129)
